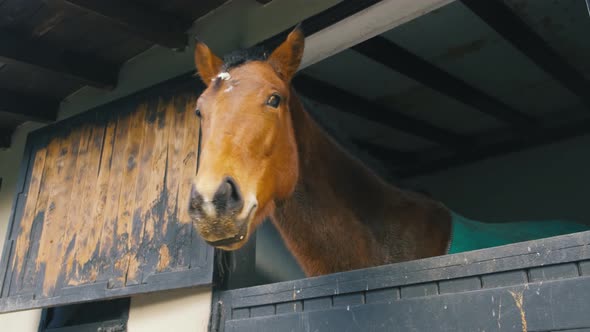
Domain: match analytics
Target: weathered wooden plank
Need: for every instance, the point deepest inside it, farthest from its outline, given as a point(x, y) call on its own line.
point(153, 201)
point(128, 179)
point(52, 238)
point(73, 216)
point(87, 271)
point(184, 235)
point(145, 164)
point(156, 255)
point(83, 224)
point(107, 249)
point(29, 275)
point(173, 176)
point(72, 223)
point(23, 242)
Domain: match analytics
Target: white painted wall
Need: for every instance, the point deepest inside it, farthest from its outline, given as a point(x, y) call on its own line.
point(174, 310)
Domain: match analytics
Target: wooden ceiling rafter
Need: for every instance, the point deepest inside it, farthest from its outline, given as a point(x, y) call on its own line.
point(29, 108)
point(19, 49)
point(389, 54)
point(347, 102)
point(322, 20)
point(497, 15)
point(149, 24)
point(393, 155)
point(5, 139)
point(540, 136)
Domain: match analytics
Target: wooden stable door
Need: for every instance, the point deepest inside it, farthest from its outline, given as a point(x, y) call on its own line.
point(102, 205)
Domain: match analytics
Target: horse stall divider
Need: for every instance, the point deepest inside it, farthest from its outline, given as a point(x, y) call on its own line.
point(540, 285)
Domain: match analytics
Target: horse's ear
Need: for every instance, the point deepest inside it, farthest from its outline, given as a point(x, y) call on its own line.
point(208, 64)
point(286, 58)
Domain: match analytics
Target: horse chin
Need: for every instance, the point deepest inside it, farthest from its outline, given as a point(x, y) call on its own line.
point(233, 243)
point(233, 246)
point(225, 233)
point(215, 231)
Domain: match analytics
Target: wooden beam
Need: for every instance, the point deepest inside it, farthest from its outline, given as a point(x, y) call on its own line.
point(322, 20)
point(399, 59)
point(19, 49)
point(392, 157)
point(28, 108)
point(347, 102)
point(506, 23)
point(5, 140)
point(149, 24)
point(538, 137)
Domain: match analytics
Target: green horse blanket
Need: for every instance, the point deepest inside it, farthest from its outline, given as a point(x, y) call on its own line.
point(467, 235)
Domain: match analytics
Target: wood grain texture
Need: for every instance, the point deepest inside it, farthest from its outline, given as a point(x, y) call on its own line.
point(106, 203)
point(23, 248)
point(51, 243)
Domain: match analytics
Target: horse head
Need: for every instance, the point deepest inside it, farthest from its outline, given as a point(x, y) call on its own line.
point(248, 159)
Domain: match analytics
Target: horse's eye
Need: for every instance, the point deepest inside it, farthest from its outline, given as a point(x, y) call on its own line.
point(274, 101)
point(198, 112)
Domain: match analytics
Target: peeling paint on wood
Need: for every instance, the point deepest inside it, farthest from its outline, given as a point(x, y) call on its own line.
point(164, 258)
point(23, 247)
point(518, 300)
point(106, 202)
point(51, 244)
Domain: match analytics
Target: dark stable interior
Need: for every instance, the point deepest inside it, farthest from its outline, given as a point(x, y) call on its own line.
point(440, 108)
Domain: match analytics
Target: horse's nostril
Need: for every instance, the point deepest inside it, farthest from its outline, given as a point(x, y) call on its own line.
point(234, 192)
point(228, 197)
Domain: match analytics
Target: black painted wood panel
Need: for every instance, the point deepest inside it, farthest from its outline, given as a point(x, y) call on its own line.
point(541, 285)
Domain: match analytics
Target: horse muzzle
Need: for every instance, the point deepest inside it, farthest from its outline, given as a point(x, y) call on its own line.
point(222, 221)
point(230, 242)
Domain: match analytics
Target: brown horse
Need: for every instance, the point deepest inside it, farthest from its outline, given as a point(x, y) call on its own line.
point(262, 155)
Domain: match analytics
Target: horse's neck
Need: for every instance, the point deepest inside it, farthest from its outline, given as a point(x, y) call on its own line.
point(327, 222)
point(326, 169)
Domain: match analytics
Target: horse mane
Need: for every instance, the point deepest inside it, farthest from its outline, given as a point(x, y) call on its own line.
point(242, 56)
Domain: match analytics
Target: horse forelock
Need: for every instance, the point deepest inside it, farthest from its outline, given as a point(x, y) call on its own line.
point(243, 56)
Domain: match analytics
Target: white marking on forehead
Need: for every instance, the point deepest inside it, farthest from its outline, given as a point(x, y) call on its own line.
point(229, 88)
point(224, 76)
